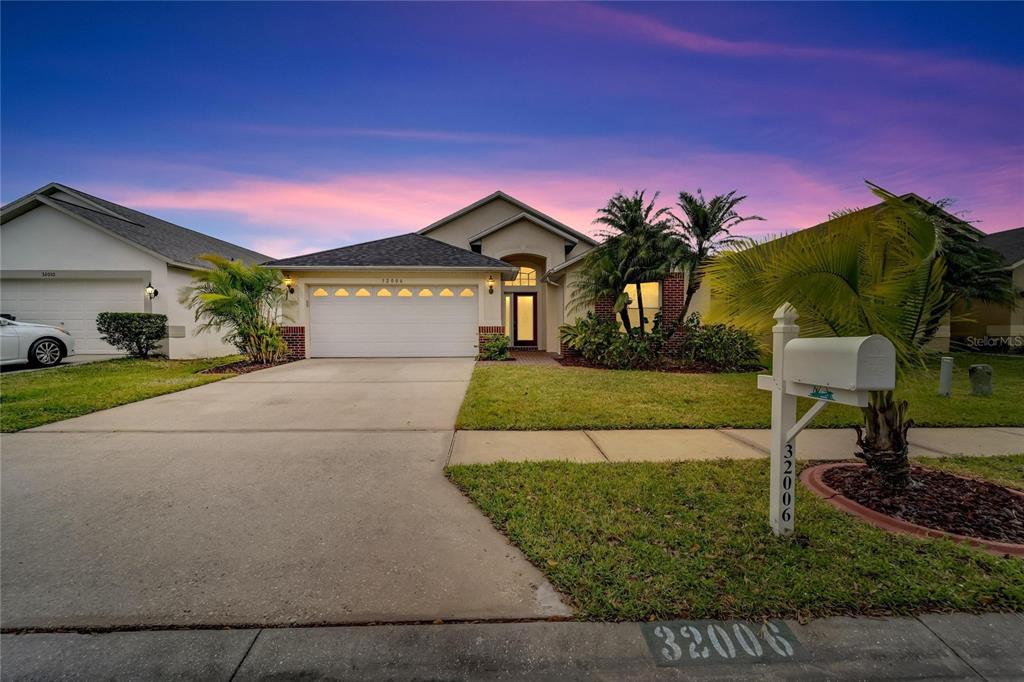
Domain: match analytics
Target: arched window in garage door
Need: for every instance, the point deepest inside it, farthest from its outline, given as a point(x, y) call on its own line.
point(404, 293)
point(341, 292)
point(467, 293)
point(425, 293)
point(447, 292)
point(362, 293)
point(320, 292)
point(384, 293)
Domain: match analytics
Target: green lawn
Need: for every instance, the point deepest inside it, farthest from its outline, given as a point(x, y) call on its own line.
point(634, 541)
point(1008, 470)
point(30, 399)
point(526, 397)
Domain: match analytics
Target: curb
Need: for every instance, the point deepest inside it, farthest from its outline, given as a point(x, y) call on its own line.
point(811, 477)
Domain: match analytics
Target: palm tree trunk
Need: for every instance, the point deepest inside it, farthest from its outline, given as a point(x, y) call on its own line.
point(640, 306)
point(692, 285)
point(624, 316)
point(883, 439)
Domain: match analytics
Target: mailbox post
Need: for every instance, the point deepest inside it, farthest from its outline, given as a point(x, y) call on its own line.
point(832, 370)
point(783, 448)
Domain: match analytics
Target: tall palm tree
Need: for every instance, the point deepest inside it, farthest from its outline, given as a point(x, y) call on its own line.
point(875, 271)
point(704, 226)
point(638, 247)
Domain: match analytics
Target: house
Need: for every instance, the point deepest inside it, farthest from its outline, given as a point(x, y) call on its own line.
point(496, 266)
point(987, 322)
point(940, 342)
point(492, 267)
point(66, 256)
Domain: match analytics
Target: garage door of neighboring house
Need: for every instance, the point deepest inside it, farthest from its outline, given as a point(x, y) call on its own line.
point(72, 304)
point(356, 321)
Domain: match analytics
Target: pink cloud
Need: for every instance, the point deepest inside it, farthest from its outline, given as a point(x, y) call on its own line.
point(607, 19)
point(291, 216)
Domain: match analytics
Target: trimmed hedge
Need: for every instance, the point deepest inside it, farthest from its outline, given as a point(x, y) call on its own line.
point(137, 334)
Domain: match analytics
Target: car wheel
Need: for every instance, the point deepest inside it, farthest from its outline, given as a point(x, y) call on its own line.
point(45, 353)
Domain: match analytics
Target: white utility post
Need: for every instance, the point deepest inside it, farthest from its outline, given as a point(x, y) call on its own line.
point(833, 370)
point(783, 448)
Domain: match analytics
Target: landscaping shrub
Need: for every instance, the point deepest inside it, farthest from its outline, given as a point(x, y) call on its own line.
point(718, 346)
point(137, 334)
point(242, 299)
point(495, 347)
point(601, 342)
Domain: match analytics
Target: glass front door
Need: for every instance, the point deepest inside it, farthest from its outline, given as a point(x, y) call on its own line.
point(524, 319)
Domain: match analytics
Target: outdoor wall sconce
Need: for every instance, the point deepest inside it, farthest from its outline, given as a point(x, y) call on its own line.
point(151, 291)
point(290, 283)
point(490, 284)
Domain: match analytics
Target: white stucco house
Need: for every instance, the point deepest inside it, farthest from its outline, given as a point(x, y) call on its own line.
point(496, 266)
point(66, 255)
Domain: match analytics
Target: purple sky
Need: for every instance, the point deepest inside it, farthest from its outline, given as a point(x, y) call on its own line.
point(297, 127)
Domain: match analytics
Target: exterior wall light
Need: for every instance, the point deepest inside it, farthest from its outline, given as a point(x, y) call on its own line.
point(290, 283)
point(151, 291)
point(490, 284)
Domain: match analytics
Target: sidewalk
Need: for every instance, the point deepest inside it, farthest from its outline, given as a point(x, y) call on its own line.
point(665, 445)
point(950, 647)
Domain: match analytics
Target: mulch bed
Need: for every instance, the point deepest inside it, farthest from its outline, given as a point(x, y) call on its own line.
point(938, 500)
point(243, 367)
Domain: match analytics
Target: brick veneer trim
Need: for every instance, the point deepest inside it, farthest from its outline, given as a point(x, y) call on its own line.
point(484, 332)
point(295, 337)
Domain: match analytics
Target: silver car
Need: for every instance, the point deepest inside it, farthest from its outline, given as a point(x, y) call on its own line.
point(41, 345)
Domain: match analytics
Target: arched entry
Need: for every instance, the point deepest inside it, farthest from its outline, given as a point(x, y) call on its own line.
point(523, 302)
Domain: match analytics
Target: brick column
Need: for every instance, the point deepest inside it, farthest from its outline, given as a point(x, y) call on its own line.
point(295, 337)
point(673, 295)
point(484, 332)
point(604, 309)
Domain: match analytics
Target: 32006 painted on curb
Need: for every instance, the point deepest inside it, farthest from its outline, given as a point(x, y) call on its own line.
point(679, 643)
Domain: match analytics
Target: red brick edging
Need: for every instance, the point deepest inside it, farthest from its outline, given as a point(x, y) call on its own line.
point(811, 477)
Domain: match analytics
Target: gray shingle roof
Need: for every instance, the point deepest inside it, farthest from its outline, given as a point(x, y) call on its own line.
point(406, 250)
point(1008, 243)
point(171, 241)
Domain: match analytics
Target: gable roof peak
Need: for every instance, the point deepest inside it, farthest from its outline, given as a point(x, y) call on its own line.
point(521, 205)
point(167, 241)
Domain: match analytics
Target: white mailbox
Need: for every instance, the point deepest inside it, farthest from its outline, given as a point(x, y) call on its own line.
point(840, 370)
point(851, 363)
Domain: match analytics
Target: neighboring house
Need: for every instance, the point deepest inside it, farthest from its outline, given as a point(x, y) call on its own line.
point(497, 266)
point(940, 342)
point(66, 256)
point(987, 320)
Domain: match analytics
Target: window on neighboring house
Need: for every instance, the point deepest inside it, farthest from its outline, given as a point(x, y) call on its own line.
point(527, 277)
point(652, 304)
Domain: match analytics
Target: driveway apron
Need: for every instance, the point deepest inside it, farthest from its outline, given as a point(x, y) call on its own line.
point(304, 494)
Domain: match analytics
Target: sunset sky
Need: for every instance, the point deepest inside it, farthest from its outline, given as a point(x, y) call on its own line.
point(291, 128)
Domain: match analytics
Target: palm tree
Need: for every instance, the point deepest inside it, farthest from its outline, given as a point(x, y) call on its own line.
point(245, 299)
point(704, 227)
point(876, 271)
point(638, 247)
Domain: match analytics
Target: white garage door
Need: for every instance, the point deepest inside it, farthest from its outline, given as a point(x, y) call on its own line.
point(354, 322)
point(72, 304)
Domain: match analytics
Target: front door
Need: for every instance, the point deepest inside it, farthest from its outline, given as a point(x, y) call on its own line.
point(524, 319)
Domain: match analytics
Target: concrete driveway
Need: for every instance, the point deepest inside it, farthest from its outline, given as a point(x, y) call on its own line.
point(308, 493)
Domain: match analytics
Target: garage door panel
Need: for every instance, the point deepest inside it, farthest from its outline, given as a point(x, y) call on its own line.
point(381, 326)
point(72, 303)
